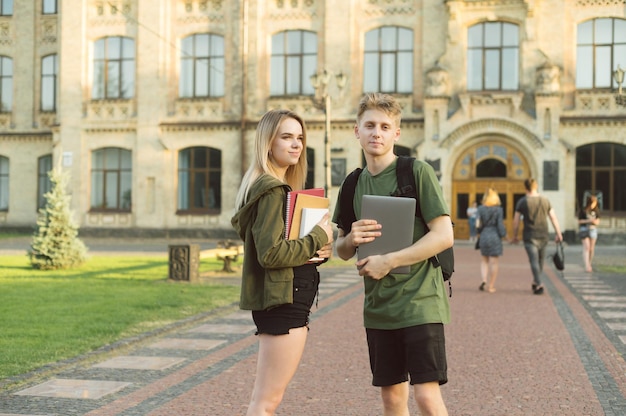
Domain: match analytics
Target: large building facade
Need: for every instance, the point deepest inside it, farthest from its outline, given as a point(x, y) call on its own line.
point(151, 105)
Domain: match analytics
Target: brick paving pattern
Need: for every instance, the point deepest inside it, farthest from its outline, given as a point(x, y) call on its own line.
point(509, 353)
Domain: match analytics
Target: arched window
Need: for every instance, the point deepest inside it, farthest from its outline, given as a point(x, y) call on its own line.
point(491, 168)
point(600, 48)
point(113, 68)
point(49, 83)
point(44, 185)
point(111, 179)
point(202, 66)
point(6, 84)
point(601, 167)
point(493, 57)
point(200, 180)
point(294, 60)
point(4, 183)
point(388, 60)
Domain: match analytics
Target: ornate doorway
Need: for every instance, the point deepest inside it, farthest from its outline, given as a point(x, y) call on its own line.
point(490, 163)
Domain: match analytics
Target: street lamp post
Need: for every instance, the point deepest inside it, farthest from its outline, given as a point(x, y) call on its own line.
point(322, 100)
point(618, 74)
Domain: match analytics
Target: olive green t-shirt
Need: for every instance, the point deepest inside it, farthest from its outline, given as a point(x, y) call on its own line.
point(420, 297)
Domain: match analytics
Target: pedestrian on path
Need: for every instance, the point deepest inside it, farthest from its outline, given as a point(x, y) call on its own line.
point(588, 220)
point(492, 231)
point(472, 218)
point(535, 209)
point(403, 313)
point(278, 285)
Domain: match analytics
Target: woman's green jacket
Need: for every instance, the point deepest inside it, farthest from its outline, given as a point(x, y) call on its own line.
point(269, 258)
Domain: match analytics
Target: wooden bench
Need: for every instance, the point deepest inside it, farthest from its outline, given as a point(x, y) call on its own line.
point(227, 251)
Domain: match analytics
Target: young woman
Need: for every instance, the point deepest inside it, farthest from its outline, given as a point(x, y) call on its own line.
point(279, 285)
point(491, 228)
point(588, 220)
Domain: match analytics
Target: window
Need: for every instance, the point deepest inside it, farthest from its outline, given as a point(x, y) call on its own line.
point(6, 7)
point(600, 48)
point(294, 60)
point(199, 180)
point(388, 60)
point(114, 68)
point(44, 185)
point(4, 183)
point(6, 84)
point(202, 66)
point(49, 70)
point(310, 168)
point(49, 7)
point(493, 57)
point(601, 167)
point(111, 179)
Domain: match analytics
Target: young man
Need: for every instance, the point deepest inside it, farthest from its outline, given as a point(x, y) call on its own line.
point(535, 209)
point(403, 313)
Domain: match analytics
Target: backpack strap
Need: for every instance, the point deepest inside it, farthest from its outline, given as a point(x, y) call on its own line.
point(406, 181)
point(407, 187)
point(346, 201)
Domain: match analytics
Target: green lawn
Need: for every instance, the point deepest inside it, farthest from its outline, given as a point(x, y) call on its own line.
point(49, 316)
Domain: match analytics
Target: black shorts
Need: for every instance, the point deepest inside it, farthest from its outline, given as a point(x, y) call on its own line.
point(280, 319)
point(418, 351)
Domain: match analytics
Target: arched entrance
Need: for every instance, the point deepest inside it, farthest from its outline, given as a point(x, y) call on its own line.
point(489, 163)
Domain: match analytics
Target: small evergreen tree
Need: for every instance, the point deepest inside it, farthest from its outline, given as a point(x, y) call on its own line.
point(55, 243)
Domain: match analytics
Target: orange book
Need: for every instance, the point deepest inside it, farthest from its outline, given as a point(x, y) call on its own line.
point(304, 201)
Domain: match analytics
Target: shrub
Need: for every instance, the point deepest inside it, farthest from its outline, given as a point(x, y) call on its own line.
point(55, 243)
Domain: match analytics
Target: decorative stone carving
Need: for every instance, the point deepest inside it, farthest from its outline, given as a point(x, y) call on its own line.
point(437, 82)
point(548, 79)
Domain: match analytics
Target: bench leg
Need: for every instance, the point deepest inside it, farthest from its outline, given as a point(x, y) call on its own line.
point(227, 265)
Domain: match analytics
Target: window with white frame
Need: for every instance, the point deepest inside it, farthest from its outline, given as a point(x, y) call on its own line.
point(388, 60)
point(113, 68)
point(44, 185)
point(493, 57)
point(6, 84)
point(4, 183)
point(49, 86)
point(199, 180)
point(202, 66)
point(111, 179)
point(600, 48)
point(293, 61)
point(49, 7)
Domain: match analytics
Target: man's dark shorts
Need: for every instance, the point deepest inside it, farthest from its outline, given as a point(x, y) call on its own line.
point(417, 351)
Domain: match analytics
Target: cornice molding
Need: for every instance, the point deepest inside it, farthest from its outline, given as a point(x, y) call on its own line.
point(26, 137)
point(591, 3)
point(617, 121)
point(201, 126)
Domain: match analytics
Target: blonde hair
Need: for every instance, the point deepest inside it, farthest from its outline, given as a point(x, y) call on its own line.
point(491, 198)
point(266, 133)
point(382, 102)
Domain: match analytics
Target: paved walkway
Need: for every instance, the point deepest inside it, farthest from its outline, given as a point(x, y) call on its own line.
point(509, 353)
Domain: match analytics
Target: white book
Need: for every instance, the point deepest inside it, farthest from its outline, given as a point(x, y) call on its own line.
point(310, 217)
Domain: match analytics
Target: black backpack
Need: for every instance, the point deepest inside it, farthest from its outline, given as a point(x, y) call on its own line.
point(407, 188)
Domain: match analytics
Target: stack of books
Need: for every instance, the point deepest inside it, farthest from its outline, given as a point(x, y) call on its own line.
point(304, 209)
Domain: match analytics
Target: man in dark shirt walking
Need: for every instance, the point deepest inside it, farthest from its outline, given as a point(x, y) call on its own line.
point(535, 209)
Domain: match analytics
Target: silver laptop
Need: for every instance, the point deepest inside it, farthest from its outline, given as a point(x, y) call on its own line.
point(397, 216)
